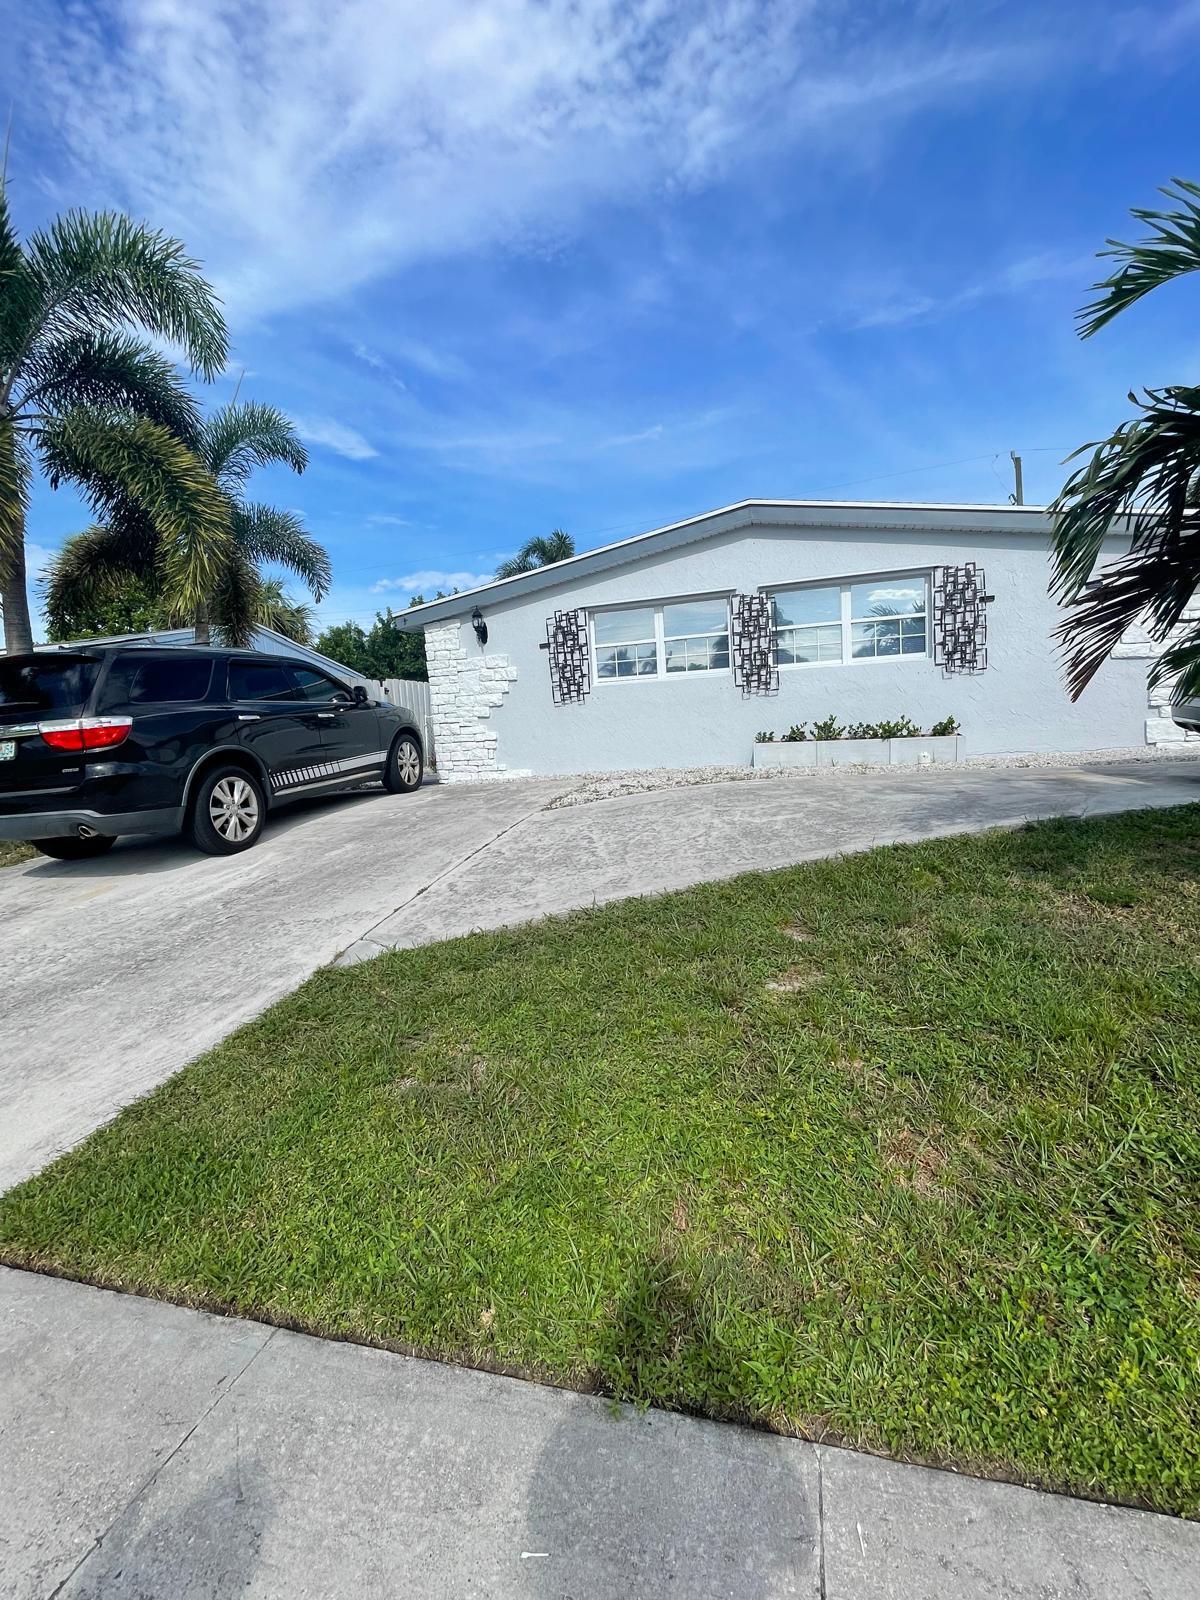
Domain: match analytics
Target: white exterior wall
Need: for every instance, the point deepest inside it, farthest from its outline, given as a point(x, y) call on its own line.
point(493, 707)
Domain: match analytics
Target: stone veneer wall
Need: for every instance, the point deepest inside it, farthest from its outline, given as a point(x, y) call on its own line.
point(464, 689)
point(1136, 644)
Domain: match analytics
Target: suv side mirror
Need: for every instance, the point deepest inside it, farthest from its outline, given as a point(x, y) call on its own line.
point(361, 697)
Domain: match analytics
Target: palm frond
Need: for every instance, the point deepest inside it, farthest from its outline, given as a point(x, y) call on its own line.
point(15, 468)
point(238, 438)
point(275, 608)
point(118, 461)
point(114, 370)
point(1141, 480)
point(234, 604)
point(265, 533)
point(1171, 250)
point(19, 297)
point(94, 566)
point(99, 270)
point(538, 552)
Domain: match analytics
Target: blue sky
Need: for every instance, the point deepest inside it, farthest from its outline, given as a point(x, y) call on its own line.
point(514, 266)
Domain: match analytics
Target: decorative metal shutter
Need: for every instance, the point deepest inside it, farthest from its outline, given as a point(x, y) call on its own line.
point(570, 657)
point(754, 669)
point(959, 618)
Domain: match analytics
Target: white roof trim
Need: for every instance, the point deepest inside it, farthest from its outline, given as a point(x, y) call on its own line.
point(886, 514)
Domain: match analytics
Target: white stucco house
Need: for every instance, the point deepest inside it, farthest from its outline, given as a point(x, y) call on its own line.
point(676, 647)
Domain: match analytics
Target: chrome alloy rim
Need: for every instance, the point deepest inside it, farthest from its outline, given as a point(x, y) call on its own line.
point(233, 808)
point(408, 763)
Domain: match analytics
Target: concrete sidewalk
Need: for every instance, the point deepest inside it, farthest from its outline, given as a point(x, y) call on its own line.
point(148, 1451)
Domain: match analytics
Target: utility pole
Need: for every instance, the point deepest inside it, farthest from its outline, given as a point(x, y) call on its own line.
point(1018, 499)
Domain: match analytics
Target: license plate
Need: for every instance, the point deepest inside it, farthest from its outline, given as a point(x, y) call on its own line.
point(8, 749)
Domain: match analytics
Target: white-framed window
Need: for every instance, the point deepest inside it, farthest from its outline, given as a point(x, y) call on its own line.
point(679, 636)
point(863, 620)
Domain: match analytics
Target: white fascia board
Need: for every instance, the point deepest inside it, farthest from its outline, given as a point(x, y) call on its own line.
point(892, 516)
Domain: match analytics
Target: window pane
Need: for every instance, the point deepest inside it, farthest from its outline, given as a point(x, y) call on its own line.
point(912, 642)
point(695, 616)
point(619, 627)
point(316, 686)
point(61, 685)
point(887, 597)
point(157, 681)
point(807, 605)
point(249, 681)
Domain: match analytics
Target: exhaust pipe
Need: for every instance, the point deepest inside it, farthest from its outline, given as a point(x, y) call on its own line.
point(85, 832)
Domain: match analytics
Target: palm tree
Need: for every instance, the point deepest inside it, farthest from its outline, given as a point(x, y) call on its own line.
point(90, 402)
point(229, 444)
point(538, 553)
point(1144, 479)
point(276, 608)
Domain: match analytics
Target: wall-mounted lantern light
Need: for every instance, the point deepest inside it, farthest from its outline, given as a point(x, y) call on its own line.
point(479, 625)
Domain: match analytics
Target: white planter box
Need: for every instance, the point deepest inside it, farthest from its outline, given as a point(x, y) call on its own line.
point(801, 754)
point(852, 752)
point(916, 752)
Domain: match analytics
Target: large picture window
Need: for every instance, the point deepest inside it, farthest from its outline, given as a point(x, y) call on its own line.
point(830, 624)
point(657, 641)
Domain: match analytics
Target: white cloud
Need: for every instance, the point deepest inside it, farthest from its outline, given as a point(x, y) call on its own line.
point(430, 580)
point(303, 148)
point(335, 436)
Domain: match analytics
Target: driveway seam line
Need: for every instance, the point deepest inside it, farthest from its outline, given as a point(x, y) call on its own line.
point(149, 1483)
point(447, 872)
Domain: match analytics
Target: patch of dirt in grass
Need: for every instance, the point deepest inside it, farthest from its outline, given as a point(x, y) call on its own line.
point(798, 931)
point(916, 1163)
point(795, 980)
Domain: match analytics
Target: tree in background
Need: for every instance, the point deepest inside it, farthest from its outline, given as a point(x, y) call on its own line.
point(538, 553)
point(89, 402)
point(93, 568)
point(383, 652)
point(1148, 470)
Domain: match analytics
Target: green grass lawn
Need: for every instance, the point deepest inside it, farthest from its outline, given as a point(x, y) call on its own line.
point(13, 850)
point(902, 1149)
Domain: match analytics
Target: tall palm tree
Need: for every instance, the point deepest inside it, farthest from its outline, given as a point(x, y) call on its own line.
point(538, 553)
point(1144, 478)
point(230, 443)
point(84, 398)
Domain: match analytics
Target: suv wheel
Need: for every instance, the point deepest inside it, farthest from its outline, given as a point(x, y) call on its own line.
point(402, 772)
point(75, 849)
point(227, 812)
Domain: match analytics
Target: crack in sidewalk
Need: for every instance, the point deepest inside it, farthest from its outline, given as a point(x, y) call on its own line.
point(145, 1487)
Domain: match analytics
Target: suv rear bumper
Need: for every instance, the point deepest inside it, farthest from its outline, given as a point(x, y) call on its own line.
point(63, 824)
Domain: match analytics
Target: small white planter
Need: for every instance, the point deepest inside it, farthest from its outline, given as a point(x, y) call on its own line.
point(916, 752)
point(801, 754)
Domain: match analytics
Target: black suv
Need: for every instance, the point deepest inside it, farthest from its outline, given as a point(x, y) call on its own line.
point(102, 740)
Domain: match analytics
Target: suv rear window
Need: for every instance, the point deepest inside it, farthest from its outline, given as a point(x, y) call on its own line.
point(34, 685)
point(157, 680)
point(257, 680)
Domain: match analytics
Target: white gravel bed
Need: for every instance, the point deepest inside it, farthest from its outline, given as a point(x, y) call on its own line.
point(591, 786)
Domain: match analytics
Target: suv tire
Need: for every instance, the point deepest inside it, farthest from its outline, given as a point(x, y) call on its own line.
point(403, 768)
point(227, 812)
point(69, 849)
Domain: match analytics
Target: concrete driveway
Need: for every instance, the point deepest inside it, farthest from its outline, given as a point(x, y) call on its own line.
point(117, 972)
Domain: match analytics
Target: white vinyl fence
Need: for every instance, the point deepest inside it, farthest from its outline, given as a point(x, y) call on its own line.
point(414, 695)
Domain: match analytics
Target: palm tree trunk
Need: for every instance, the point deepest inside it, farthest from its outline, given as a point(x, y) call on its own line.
point(14, 599)
point(201, 627)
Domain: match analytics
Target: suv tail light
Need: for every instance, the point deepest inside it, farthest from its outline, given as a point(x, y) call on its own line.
point(86, 733)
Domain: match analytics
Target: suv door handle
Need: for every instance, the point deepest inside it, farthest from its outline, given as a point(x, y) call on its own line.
point(328, 715)
point(252, 716)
